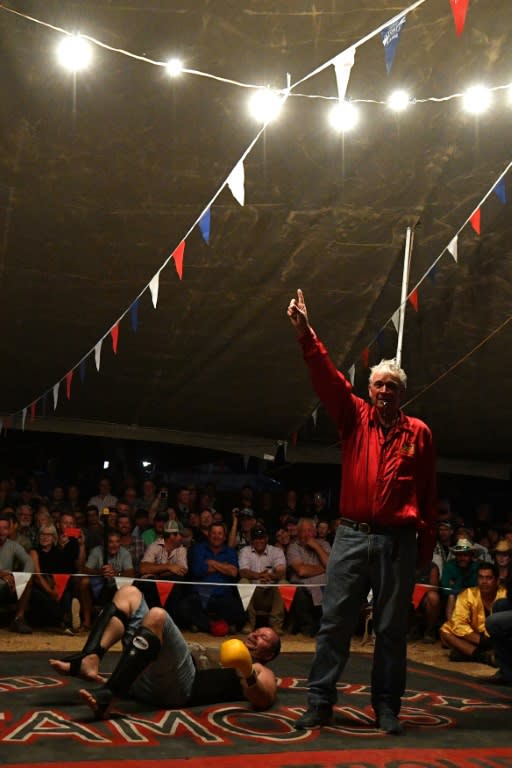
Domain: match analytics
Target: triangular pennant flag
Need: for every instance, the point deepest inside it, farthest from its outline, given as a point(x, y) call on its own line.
point(123, 581)
point(246, 591)
point(56, 395)
point(365, 357)
point(342, 67)
point(154, 286)
point(395, 319)
point(114, 332)
point(177, 255)
point(453, 247)
point(83, 366)
point(61, 582)
point(33, 412)
point(23, 419)
point(314, 416)
point(21, 580)
point(390, 37)
point(352, 374)
point(500, 190)
point(380, 339)
point(134, 315)
point(459, 10)
point(474, 220)
point(419, 592)
point(287, 593)
point(164, 590)
point(69, 379)
point(97, 354)
point(413, 298)
point(204, 225)
point(236, 182)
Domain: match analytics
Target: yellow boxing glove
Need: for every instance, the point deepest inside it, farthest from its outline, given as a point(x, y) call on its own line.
point(235, 655)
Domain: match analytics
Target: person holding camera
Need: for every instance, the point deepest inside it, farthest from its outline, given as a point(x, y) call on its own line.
point(242, 522)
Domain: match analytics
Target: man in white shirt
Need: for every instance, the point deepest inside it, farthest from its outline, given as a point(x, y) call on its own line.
point(104, 497)
point(262, 563)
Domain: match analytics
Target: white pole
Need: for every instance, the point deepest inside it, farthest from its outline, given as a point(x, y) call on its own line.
point(409, 240)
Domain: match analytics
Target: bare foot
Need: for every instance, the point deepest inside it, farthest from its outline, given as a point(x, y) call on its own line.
point(99, 701)
point(89, 668)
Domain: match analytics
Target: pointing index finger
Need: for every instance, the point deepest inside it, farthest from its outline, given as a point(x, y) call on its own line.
point(300, 296)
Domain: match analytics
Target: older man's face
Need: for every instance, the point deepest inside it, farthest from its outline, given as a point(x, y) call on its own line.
point(385, 391)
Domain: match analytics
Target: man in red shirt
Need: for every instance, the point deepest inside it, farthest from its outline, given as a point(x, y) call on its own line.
point(388, 513)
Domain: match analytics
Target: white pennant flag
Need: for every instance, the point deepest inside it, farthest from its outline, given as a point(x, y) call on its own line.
point(23, 419)
point(314, 416)
point(56, 395)
point(236, 182)
point(123, 581)
point(395, 319)
point(352, 373)
point(246, 591)
point(342, 67)
point(21, 580)
point(153, 287)
point(453, 247)
point(97, 354)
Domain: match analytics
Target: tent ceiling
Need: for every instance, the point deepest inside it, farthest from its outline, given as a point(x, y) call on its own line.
point(101, 179)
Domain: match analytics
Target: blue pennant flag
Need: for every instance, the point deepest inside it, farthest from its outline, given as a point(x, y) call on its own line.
point(432, 274)
point(501, 191)
point(390, 37)
point(82, 370)
point(134, 315)
point(204, 225)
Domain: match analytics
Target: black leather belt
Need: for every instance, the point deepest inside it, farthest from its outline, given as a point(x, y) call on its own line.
point(383, 530)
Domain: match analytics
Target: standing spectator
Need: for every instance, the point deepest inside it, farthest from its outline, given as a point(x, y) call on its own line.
point(307, 562)
point(443, 544)
point(388, 494)
point(104, 497)
point(262, 563)
point(465, 633)
point(14, 558)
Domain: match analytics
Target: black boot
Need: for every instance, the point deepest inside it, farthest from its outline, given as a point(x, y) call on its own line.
point(143, 649)
point(93, 642)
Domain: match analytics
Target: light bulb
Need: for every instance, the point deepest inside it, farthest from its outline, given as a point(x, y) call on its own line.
point(398, 101)
point(174, 67)
point(265, 105)
point(477, 99)
point(74, 53)
point(344, 117)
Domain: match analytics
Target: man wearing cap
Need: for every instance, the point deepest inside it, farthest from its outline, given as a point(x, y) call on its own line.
point(165, 559)
point(262, 563)
point(388, 512)
point(465, 632)
point(459, 573)
point(242, 522)
point(157, 666)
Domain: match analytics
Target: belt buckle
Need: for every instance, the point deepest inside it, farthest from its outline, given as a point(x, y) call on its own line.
point(365, 527)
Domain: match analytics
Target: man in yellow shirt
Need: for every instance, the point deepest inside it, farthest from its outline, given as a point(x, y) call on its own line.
point(465, 633)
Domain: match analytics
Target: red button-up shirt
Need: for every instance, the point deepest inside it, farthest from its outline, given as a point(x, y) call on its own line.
point(387, 479)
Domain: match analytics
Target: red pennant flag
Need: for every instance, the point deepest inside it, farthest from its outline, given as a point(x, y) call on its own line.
point(459, 10)
point(287, 593)
point(164, 590)
point(114, 332)
point(177, 255)
point(33, 412)
point(69, 379)
point(61, 582)
point(420, 590)
point(413, 298)
point(475, 221)
point(365, 356)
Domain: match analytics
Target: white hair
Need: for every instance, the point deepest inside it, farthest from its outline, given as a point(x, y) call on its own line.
point(392, 368)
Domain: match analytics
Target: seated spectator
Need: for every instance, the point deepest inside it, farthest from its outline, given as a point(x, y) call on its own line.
point(13, 558)
point(134, 544)
point(290, 510)
point(14, 532)
point(499, 627)
point(150, 499)
point(46, 608)
point(104, 497)
point(213, 561)
point(243, 521)
point(93, 528)
point(58, 502)
point(71, 545)
point(142, 524)
point(465, 633)
point(320, 510)
point(466, 531)
point(282, 539)
point(502, 554)
point(182, 505)
point(429, 611)
point(205, 521)
point(323, 531)
point(99, 586)
point(73, 501)
point(459, 573)
point(129, 497)
point(27, 532)
point(292, 526)
point(156, 530)
point(442, 547)
point(262, 563)
point(307, 562)
point(165, 558)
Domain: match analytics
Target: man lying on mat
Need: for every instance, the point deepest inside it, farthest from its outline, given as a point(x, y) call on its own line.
point(158, 667)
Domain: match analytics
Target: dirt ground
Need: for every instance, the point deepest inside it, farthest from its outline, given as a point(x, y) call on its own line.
point(55, 644)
